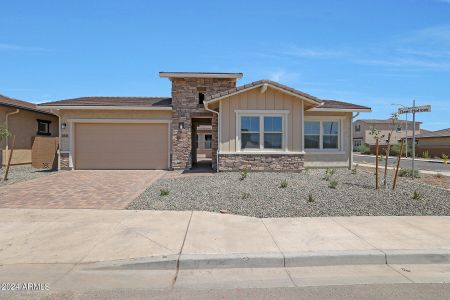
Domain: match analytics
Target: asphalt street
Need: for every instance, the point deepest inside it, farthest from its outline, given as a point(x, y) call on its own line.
point(404, 163)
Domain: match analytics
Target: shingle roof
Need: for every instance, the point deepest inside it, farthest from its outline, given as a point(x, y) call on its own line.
point(341, 105)
point(437, 133)
point(113, 101)
point(7, 101)
point(258, 83)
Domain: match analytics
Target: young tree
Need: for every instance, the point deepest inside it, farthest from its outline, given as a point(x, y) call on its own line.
point(4, 133)
point(377, 136)
point(394, 121)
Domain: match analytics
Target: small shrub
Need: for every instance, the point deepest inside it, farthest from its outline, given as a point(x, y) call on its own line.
point(283, 184)
point(333, 184)
point(445, 158)
point(311, 198)
point(355, 169)
point(307, 169)
point(245, 196)
point(408, 173)
point(363, 149)
point(244, 174)
point(417, 196)
point(426, 154)
point(164, 192)
point(328, 174)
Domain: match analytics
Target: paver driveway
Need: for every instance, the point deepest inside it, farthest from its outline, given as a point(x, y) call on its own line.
point(79, 189)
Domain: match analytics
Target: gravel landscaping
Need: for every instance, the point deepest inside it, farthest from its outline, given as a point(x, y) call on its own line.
point(22, 173)
point(307, 194)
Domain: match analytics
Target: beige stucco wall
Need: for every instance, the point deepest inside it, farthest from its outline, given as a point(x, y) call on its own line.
point(255, 100)
point(24, 126)
point(68, 115)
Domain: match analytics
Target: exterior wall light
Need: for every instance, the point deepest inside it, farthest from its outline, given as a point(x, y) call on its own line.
point(181, 125)
point(63, 125)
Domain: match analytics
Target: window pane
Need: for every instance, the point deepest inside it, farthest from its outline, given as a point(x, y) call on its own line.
point(330, 142)
point(249, 140)
point(312, 141)
point(312, 127)
point(250, 124)
point(273, 140)
point(272, 124)
point(330, 128)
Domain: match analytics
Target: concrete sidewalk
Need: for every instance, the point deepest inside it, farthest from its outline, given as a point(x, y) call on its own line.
point(121, 239)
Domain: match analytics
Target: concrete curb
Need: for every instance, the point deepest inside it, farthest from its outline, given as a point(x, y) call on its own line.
point(278, 260)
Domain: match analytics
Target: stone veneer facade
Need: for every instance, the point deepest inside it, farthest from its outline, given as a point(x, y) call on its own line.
point(261, 162)
point(64, 161)
point(185, 103)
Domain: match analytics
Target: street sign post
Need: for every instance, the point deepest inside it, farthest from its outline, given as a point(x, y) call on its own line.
point(414, 109)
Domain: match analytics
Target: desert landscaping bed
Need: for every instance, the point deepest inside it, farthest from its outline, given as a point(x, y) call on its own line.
point(305, 194)
point(22, 173)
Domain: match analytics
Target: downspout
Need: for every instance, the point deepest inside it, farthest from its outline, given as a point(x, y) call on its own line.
point(205, 104)
point(7, 128)
point(350, 160)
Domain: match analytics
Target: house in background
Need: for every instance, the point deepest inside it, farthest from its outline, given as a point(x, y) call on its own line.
point(362, 128)
point(435, 142)
point(25, 121)
point(262, 126)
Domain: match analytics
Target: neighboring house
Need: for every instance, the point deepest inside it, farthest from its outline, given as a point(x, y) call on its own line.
point(25, 121)
point(362, 128)
point(262, 126)
point(435, 142)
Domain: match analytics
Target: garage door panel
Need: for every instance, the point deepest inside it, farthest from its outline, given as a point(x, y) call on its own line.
point(121, 146)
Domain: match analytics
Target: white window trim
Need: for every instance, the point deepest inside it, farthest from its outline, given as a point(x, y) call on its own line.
point(261, 114)
point(339, 120)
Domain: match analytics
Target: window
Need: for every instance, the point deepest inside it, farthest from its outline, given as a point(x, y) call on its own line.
point(330, 135)
point(201, 98)
point(357, 143)
point(208, 140)
point(261, 132)
point(357, 128)
point(43, 127)
point(250, 133)
point(312, 135)
point(273, 133)
point(322, 135)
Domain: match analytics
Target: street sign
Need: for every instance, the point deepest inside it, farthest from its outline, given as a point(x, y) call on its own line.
point(416, 109)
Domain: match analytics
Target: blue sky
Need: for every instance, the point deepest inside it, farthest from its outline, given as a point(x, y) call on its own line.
point(373, 53)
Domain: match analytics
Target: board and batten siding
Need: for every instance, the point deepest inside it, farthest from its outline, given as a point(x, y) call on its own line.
point(255, 100)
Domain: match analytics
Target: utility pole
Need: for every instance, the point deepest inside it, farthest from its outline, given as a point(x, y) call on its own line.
point(406, 136)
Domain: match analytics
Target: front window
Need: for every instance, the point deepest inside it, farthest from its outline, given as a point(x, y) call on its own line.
point(261, 132)
point(250, 132)
point(43, 127)
point(321, 135)
point(357, 128)
point(273, 133)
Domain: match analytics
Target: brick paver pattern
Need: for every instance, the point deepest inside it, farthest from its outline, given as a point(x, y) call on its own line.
point(79, 189)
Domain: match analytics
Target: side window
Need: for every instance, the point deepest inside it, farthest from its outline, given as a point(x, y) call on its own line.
point(249, 132)
point(43, 127)
point(330, 135)
point(208, 141)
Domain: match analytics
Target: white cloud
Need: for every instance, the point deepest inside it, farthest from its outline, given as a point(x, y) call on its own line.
point(12, 47)
point(284, 76)
point(311, 53)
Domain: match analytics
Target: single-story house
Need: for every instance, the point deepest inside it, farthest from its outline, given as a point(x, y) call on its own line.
point(263, 126)
point(435, 142)
point(25, 121)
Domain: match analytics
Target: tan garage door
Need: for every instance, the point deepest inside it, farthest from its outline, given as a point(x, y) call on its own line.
point(103, 146)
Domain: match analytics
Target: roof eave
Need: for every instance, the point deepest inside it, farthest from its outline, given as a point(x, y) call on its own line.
point(259, 85)
point(28, 109)
point(105, 107)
